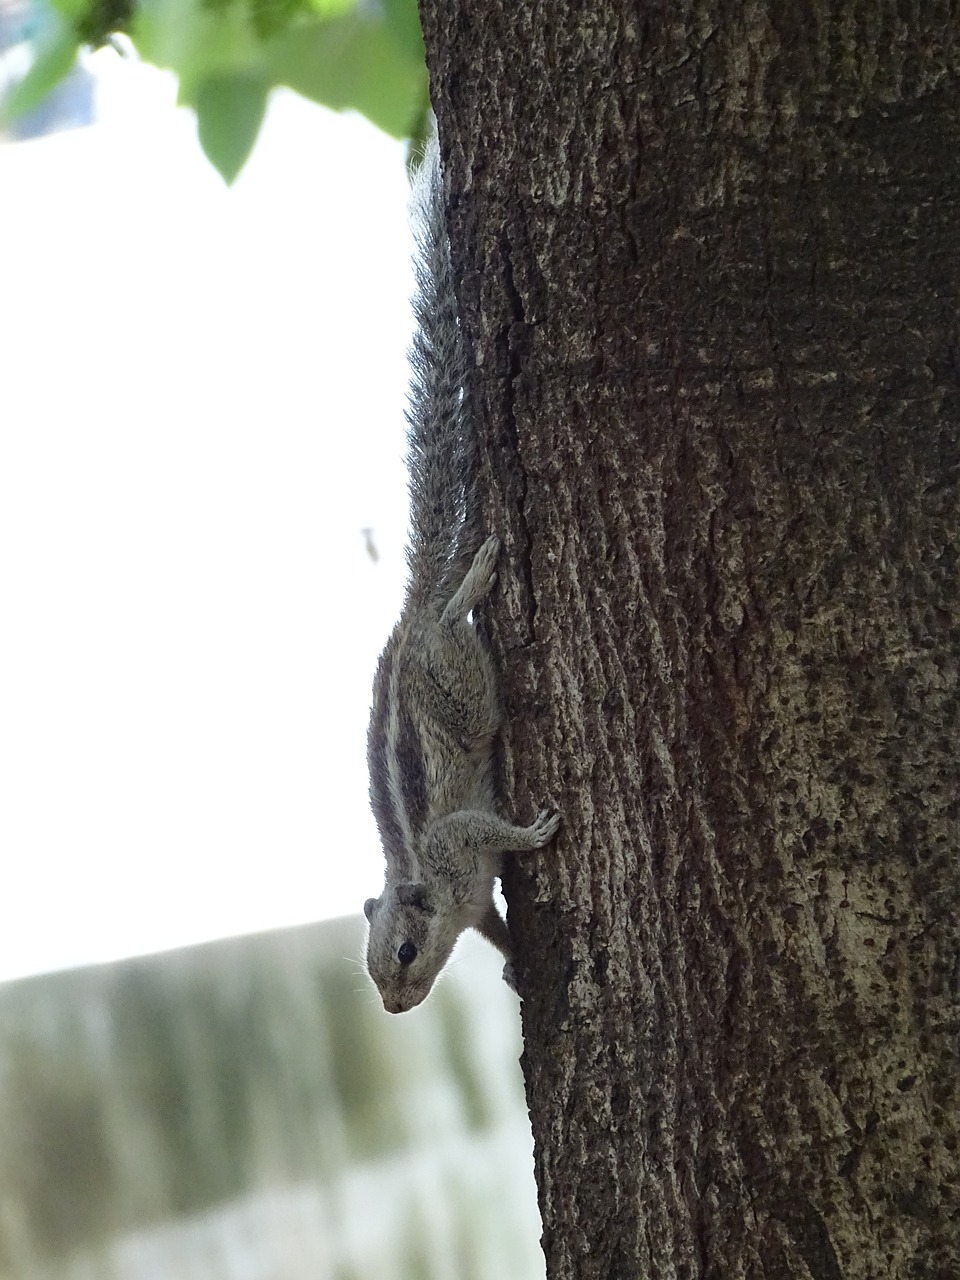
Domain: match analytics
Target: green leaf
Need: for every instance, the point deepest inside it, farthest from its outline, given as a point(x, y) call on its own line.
point(73, 10)
point(353, 62)
point(229, 114)
point(93, 20)
point(403, 20)
point(228, 53)
point(102, 19)
point(197, 41)
point(331, 8)
point(53, 62)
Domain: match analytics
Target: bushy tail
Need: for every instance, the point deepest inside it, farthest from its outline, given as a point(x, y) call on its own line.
point(441, 452)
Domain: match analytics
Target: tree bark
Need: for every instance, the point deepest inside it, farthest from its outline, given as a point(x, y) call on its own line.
point(710, 273)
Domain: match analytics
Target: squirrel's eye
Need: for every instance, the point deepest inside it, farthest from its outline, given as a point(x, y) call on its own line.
point(407, 953)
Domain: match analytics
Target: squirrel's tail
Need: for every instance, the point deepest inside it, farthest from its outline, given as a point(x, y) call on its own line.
point(441, 450)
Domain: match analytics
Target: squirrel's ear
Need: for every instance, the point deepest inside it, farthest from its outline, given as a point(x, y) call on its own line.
point(413, 895)
point(370, 906)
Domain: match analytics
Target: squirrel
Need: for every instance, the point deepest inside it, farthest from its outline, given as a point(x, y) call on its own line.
point(436, 698)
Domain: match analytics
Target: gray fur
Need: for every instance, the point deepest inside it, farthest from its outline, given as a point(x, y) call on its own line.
point(436, 704)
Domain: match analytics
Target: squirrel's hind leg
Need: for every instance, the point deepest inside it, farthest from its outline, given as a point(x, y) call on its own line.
point(477, 582)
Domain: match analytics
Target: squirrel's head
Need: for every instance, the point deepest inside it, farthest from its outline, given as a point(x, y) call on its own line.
point(411, 936)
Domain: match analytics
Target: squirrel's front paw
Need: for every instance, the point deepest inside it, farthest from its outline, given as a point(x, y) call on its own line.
point(509, 977)
point(544, 827)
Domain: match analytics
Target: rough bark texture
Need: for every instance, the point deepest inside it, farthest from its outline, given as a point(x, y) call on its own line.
point(710, 273)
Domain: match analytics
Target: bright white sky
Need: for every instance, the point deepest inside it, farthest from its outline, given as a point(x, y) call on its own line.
point(201, 400)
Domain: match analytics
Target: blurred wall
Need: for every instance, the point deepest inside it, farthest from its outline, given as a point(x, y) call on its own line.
point(245, 1109)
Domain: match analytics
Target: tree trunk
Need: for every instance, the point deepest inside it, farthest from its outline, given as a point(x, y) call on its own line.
point(710, 275)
